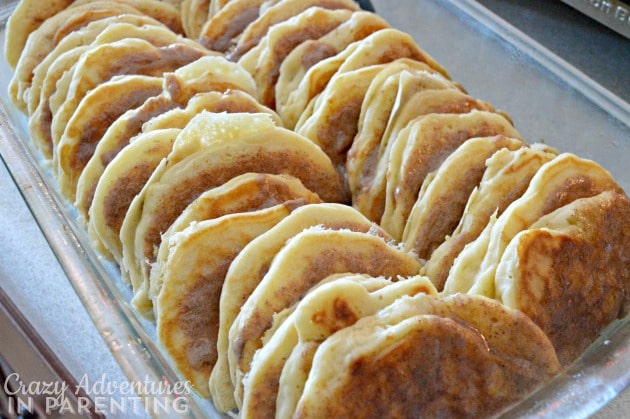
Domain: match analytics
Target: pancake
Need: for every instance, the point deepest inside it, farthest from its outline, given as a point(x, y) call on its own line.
point(276, 336)
point(249, 267)
point(120, 182)
point(83, 37)
point(456, 356)
point(212, 149)
point(570, 271)
point(221, 31)
point(264, 60)
point(331, 121)
point(187, 309)
point(59, 74)
point(132, 56)
point(421, 147)
point(117, 136)
point(310, 86)
point(308, 53)
point(444, 193)
point(205, 74)
point(334, 119)
point(557, 183)
point(45, 37)
point(25, 19)
point(382, 117)
point(232, 101)
point(380, 47)
point(306, 259)
point(386, 46)
point(95, 113)
point(245, 193)
point(90, 72)
point(277, 13)
point(323, 311)
point(277, 333)
point(43, 40)
point(505, 179)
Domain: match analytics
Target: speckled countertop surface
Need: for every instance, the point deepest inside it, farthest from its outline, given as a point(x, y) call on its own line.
point(33, 279)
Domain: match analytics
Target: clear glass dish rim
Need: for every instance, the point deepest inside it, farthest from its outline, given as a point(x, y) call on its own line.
point(597, 377)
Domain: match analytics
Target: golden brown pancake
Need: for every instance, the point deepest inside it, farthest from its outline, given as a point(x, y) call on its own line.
point(264, 60)
point(307, 54)
point(505, 179)
point(132, 56)
point(556, 184)
point(245, 193)
point(326, 309)
point(380, 47)
point(454, 356)
point(203, 75)
point(52, 79)
point(84, 37)
point(232, 102)
point(387, 109)
point(221, 31)
point(388, 94)
point(26, 18)
point(212, 149)
point(249, 267)
point(117, 136)
point(306, 259)
point(187, 307)
point(332, 122)
point(95, 113)
point(90, 70)
point(45, 37)
point(120, 182)
point(421, 147)
point(43, 40)
point(277, 13)
point(444, 193)
point(300, 98)
point(59, 75)
point(570, 271)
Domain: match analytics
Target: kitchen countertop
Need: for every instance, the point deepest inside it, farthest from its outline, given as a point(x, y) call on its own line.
point(29, 269)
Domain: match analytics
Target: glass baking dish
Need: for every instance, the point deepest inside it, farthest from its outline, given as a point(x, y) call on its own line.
point(549, 101)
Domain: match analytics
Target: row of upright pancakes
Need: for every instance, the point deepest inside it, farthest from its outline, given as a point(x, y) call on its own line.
point(312, 211)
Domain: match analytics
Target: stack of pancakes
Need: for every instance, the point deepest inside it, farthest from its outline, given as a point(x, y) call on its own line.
point(314, 214)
